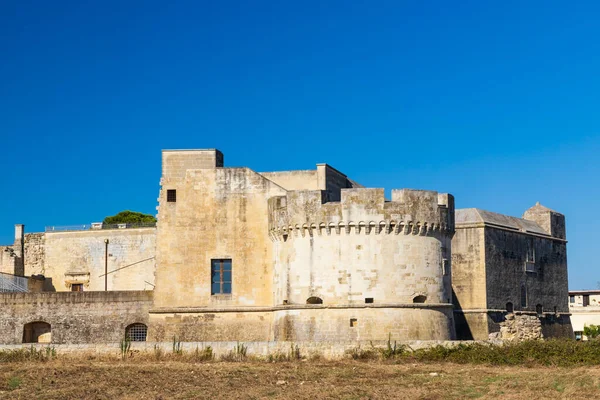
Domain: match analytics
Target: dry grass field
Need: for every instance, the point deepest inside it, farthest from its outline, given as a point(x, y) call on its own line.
point(147, 379)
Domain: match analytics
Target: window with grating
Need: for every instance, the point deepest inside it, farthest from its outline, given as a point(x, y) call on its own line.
point(171, 195)
point(137, 332)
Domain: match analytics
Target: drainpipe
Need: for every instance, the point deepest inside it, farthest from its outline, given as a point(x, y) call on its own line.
point(105, 265)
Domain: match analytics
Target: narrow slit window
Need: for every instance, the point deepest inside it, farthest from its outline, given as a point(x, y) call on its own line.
point(523, 296)
point(171, 195)
point(221, 270)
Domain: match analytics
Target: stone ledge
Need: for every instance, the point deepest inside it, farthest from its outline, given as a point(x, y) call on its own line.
point(181, 310)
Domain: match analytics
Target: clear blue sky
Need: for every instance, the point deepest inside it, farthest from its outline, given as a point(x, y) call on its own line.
point(494, 102)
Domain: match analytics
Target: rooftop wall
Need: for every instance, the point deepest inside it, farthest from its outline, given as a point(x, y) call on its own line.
point(71, 257)
point(176, 162)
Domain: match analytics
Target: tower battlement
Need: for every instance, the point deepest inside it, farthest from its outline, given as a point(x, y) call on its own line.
point(361, 211)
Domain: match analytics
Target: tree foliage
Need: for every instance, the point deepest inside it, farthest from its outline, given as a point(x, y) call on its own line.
point(129, 217)
point(591, 331)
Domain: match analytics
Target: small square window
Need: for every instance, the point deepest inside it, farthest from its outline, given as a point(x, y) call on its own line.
point(353, 322)
point(77, 287)
point(171, 195)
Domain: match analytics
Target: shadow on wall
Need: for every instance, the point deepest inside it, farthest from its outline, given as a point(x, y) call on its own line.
point(48, 285)
point(37, 332)
point(463, 331)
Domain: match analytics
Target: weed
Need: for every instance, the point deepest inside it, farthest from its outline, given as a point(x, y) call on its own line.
point(206, 354)
point(392, 350)
point(292, 355)
point(358, 353)
point(158, 352)
point(177, 346)
point(239, 353)
point(14, 383)
point(125, 346)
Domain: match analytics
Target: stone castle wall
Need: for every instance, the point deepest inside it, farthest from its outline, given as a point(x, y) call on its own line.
point(362, 250)
point(71, 257)
point(35, 254)
point(7, 260)
point(75, 317)
point(362, 247)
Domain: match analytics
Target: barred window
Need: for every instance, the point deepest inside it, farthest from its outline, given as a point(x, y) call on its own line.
point(220, 270)
point(171, 195)
point(137, 332)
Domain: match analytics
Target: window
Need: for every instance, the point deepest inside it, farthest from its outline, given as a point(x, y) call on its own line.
point(368, 300)
point(419, 299)
point(530, 257)
point(523, 296)
point(530, 251)
point(353, 322)
point(586, 300)
point(77, 287)
point(220, 281)
point(509, 308)
point(136, 332)
point(171, 195)
point(571, 299)
point(314, 300)
point(445, 268)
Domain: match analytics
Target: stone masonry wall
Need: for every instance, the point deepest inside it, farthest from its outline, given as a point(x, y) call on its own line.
point(7, 260)
point(79, 257)
point(75, 317)
point(547, 285)
point(35, 253)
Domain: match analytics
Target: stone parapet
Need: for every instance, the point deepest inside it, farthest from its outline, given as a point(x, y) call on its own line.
point(361, 210)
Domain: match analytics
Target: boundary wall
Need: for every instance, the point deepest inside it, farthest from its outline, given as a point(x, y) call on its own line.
point(326, 349)
point(74, 317)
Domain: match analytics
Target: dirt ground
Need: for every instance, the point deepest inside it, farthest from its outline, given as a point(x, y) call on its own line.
point(136, 379)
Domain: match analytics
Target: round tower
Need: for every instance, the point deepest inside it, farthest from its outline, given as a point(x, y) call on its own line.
point(362, 268)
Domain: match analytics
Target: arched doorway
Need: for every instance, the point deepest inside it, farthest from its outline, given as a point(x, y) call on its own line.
point(37, 332)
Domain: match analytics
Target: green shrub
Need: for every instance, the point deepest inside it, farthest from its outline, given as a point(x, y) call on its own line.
point(292, 355)
point(206, 354)
point(554, 352)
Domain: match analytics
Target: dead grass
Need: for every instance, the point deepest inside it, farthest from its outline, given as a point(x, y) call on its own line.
point(146, 379)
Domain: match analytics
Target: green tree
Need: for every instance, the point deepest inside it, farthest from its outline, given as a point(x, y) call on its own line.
point(591, 331)
point(129, 217)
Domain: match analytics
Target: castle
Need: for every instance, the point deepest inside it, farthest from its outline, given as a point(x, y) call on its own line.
point(297, 256)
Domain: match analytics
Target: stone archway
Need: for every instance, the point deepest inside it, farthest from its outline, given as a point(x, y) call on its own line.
point(37, 332)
